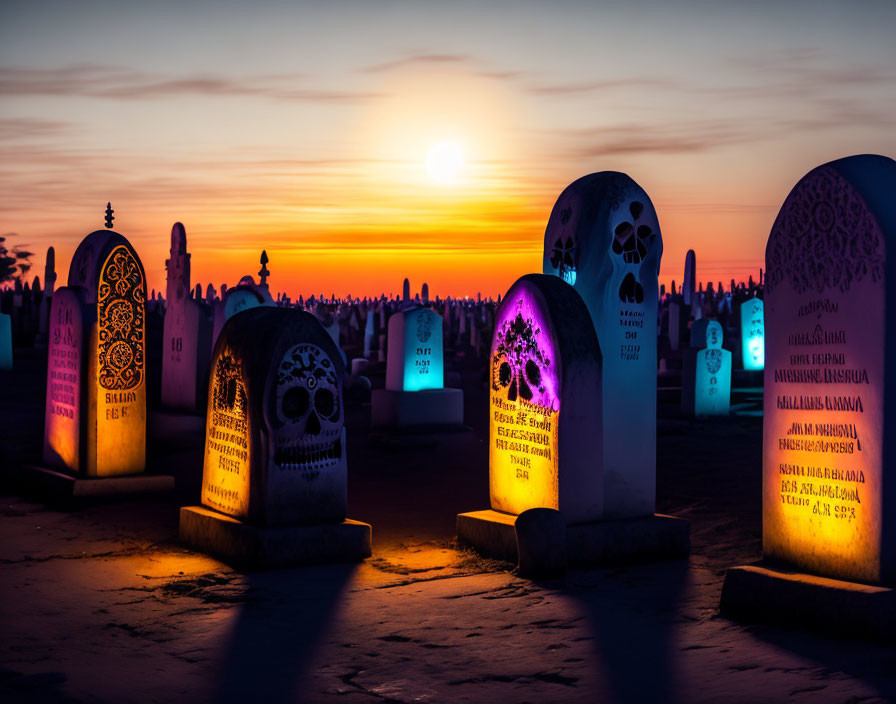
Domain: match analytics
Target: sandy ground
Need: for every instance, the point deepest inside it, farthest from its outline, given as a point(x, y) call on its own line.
point(101, 604)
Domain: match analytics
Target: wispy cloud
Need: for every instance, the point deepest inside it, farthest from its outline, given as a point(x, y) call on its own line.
point(126, 84)
point(29, 128)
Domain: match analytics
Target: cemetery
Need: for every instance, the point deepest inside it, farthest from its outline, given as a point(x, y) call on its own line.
point(590, 438)
point(418, 353)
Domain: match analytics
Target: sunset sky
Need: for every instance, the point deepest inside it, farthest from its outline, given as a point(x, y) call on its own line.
point(303, 128)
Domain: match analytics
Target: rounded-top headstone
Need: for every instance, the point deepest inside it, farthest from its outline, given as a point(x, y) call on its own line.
point(91, 255)
point(829, 447)
point(545, 403)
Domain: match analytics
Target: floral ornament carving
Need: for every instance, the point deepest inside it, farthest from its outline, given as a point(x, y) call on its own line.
point(121, 337)
point(824, 237)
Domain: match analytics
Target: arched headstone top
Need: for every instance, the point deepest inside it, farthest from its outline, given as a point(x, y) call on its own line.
point(832, 230)
point(91, 255)
point(708, 334)
point(178, 239)
point(604, 212)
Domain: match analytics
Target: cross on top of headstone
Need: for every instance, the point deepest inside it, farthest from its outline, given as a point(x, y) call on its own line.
point(109, 216)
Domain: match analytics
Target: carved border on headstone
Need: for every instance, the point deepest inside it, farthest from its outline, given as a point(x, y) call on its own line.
point(848, 245)
point(121, 332)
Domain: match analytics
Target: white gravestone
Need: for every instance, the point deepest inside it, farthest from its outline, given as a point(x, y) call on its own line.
point(604, 236)
point(829, 445)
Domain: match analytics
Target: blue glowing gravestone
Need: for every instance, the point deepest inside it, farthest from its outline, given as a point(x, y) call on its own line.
point(415, 393)
point(752, 334)
point(706, 376)
point(415, 359)
point(5, 342)
point(604, 239)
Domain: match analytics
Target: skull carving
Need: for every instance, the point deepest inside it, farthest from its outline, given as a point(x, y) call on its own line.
point(308, 436)
point(518, 360)
point(632, 239)
point(563, 254)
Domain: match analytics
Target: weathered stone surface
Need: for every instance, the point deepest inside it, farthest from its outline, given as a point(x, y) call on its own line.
point(778, 595)
point(258, 547)
point(541, 543)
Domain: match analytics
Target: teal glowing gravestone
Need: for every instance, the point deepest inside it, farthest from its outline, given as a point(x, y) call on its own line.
point(5, 342)
point(706, 377)
point(415, 373)
point(415, 358)
point(603, 238)
point(752, 334)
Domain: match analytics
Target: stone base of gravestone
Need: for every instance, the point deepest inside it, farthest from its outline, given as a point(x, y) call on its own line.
point(176, 430)
point(541, 543)
point(51, 484)
point(764, 593)
point(251, 547)
point(429, 408)
point(596, 544)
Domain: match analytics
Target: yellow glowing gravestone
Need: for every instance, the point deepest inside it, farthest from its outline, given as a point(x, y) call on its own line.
point(113, 418)
point(275, 442)
point(829, 487)
point(545, 403)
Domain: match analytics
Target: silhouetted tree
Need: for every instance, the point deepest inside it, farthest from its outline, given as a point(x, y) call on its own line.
point(15, 262)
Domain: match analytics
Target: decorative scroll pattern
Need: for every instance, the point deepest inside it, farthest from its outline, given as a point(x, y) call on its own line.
point(122, 332)
point(518, 362)
point(824, 237)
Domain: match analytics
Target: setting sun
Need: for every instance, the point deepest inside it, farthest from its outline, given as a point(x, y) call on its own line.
point(444, 162)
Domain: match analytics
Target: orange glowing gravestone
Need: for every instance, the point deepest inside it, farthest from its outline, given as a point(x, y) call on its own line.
point(274, 473)
point(829, 489)
point(829, 439)
point(96, 385)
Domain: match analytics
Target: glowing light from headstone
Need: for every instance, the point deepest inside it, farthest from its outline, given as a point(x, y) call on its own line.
point(752, 330)
point(423, 356)
point(524, 409)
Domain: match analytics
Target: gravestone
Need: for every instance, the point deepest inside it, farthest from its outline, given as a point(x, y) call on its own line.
point(546, 434)
point(95, 419)
point(415, 393)
point(604, 236)
point(186, 333)
point(752, 334)
point(275, 446)
point(689, 286)
point(5, 342)
point(49, 287)
point(233, 300)
point(706, 374)
point(829, 446)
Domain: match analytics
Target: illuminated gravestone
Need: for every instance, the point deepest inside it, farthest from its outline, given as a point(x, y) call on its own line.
point(603, 237)
point(5, 342)
point(187, 333)
point(95, 421)
point(829, 445)
point(752, 334)
point(546, 434)
point(706, 374)
point(415, 393)
point(274, 475)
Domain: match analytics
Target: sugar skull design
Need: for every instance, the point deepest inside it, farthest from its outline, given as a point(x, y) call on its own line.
point(632, 239)
point(309, 414)
point(518, 363)
point(563, 255)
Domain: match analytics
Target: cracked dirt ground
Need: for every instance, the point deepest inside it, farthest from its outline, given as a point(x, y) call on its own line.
point(101, 604)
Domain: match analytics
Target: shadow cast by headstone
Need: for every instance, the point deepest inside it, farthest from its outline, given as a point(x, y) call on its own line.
point(633, 617)
point(869, 661)
point(278, 631)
